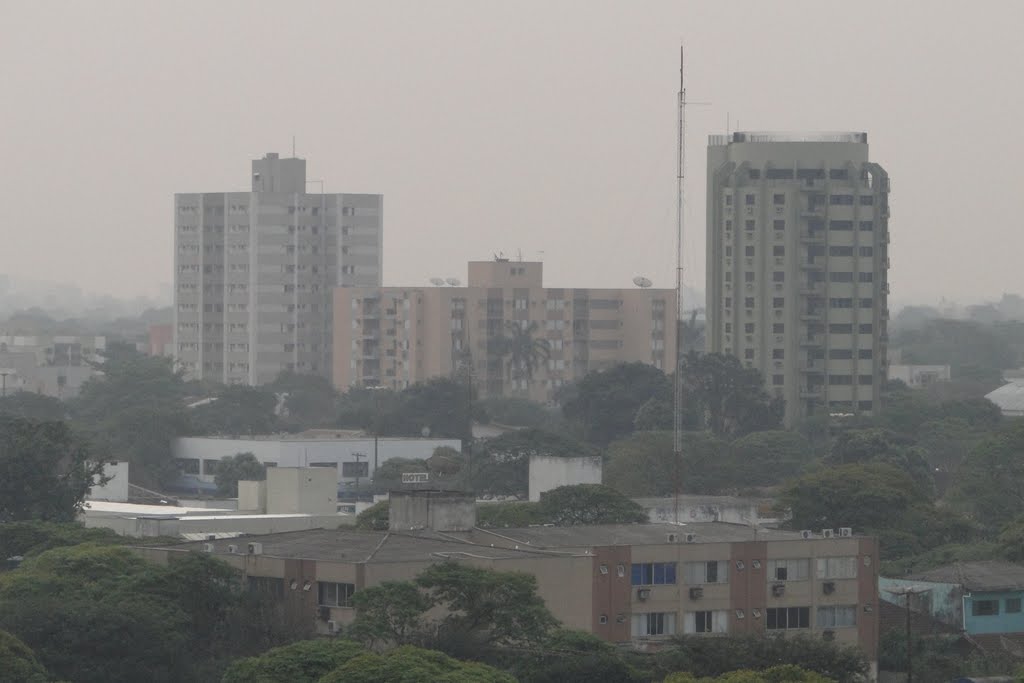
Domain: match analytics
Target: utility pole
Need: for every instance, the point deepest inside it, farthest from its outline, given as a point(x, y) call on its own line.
point(357, 456)
point(907, 592)
point(4, 373)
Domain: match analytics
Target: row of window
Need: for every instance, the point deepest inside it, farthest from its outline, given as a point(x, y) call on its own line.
point(780, 250)
point(779, 199)
point(647, 624)
point(717, 571)
point(779, 224)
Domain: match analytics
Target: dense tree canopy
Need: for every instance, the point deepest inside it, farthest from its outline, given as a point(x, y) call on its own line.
point(730, 398)
point(310, 401)
point(410, 664)
point(235, 468)
point(990, 481)
point(303, 662)
point(588, 504)
point(501, 465)
point(18, 663)
point(236, 411)
point(604, 404)
point(45, 471)
point(33, 406)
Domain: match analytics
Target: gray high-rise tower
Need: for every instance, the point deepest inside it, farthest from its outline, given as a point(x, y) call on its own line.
point(797, 261)
point(254, 273)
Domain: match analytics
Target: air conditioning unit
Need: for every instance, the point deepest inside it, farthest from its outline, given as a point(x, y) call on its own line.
point(233, 549)
point(828, 533)
point(828, 588)
point(806, 534)
point(696, 593)
point(643, 593)
point(254, 548)
point(778, 590)
point(845, 531)
point(691, 538)
point(671, 538)
point(333, 627)
point(208, 548)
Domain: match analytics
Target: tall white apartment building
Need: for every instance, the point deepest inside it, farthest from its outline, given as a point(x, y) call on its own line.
point(797, 262)
point(254, 273)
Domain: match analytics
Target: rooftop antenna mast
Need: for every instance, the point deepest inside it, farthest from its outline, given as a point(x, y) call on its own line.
point(677, 387)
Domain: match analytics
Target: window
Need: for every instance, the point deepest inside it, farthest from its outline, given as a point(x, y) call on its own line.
point(355, 469)
point(867, 226)
point(779, 328)
point(749, 224)
point(867, 200)
point(865, 277)
point(748, 302)
point(653, 573)
point(1012, 605)
point(864, 328)
point(840, 199)
point(778, 302)
point(778, 380)
point(840, 276)
point(335, 594)
point(837, 616)
point(779, 225)
point(840, 251)
point(748, 251)
point(777, 618)
point(865, 405)
point(267, 584)
point(778, 199)
point(840, 303)
point(750, 199)
point(728, 200)
point(728, 251)
point(840, 225)
point(838, 174)
point(865, 354)
point(778, 354)
point(754, 173)
point(748, 328)
point(789, 570)
point(778, 250)
point(779, 276)
point(210, 466)
point(728, 276)
point(840, 380)
point(837, 568)
point(779, 174)
point(728, 328)
point(728, 302)
point(985, 608)
point(865, 380)
point(654, 624)
point(706, 572)
point(748, 354)
point(866, 251)
point(840, 354)
point(711, 621)
point(867, 303)
point(188, 465)
point(840, 328)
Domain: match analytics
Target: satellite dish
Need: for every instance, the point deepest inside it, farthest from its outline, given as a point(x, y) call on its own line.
point(437, 282)
point(641, 282)
point(453, 281)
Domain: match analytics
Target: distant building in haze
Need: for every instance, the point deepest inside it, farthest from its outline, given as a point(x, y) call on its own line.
point(254, 272)
point(797, 262)
point(397, 336)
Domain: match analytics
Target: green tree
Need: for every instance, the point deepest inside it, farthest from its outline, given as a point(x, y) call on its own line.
point(589, 504)
point(390, 614)
point(644, 465)
point(237, 410)
point(730, 397)
point(18, 663)
point(516, 411)
point(570, 657)
point(33, 537)
point(410, 664)
point(525, 351)
point(45, 471)
point(787, 673)
point(883, 446)
point(501, 465)
point(509, 515)
point(33, 406)
point(767, 458)
point(374, 518)
point(865, 496)
point(392, 470)
point(310, 401)
point(990, 481)
point(604, 404)
point(306, 661)
point(235, 468)
point(958, 343)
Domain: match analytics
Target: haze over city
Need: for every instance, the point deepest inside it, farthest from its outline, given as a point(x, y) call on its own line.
point(545, 128)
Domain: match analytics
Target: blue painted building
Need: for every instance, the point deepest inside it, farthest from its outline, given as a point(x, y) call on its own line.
point(978, 597)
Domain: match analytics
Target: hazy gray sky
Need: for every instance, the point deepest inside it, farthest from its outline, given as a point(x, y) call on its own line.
point(535, 126)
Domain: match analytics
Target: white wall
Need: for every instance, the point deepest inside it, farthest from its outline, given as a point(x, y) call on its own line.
point(115, 490)
point(550, 472)
point(306, 490)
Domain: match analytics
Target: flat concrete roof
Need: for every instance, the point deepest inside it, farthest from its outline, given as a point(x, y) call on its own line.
point(550, 537)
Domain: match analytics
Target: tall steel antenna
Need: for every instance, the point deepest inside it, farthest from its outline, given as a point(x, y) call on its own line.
point(677, 393)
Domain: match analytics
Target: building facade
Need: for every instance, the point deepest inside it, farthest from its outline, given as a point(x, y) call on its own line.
point(797, 262)
point(254, 272)
point(397, 336)
point(53, 365)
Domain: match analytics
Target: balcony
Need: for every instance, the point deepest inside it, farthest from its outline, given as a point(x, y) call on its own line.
point(810, 392)
point(812, 341)
point(816, 211)
point(812, 316)
point(812, 367)
point(806, 264)
point(813, 237)
point(812, 289)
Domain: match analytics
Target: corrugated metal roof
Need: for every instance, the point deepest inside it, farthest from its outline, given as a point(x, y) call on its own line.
point(1009, 397)
point(977, 576)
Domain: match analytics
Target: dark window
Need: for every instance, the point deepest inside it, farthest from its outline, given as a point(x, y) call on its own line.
point(840, 380)
point(840, 276)
point(779, 328)
point(335, 594)
point(985, 608)
point(787, 618)
point(865, 354)
point(840, 303)
point(840, 354)
point(728, 225)
point(778, 380)
point(754, 173)
point(188, 465)
point(864, 405)
point(865, 277)
point(728, 328)
point(840, 199)
point(865, 328)
point(728, 302)
point(778, 250)
point(779, 225)
point(750, 199)
point(703, 623)
point(778, 302)
point(867, 199)
point(748, 251)
point(867, 251)
point(864, 380)
point(867, 226)
point(1012, 605)
point(778, 199)
point(728, 251)
point(267, 584)
point(749, 328)
point(653, 573)
point(867, 303)
point(810, 174)
point(748, 276)
point(748, 224)
point(355, 469)
point(778, 354)
point(779, 174)
point(779, 276)
point(840, 225)
point(840, 328)
point(840, 251)
point(838, 174)
point(748, 302)
point(748, 354)
point(728, 200)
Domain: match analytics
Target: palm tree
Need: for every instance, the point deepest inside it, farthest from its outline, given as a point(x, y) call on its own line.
point(525, 352)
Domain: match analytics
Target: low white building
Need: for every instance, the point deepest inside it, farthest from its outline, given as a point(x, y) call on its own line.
point(116, 489)
point(551, 471)
point(352, 454)
point(728, 509)
point(1009, 398)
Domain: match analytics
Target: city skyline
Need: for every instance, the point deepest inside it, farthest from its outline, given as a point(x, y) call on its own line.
point(504, 133)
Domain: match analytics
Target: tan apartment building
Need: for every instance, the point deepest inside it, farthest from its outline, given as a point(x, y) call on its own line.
point(397, 336)
point(797, 263)
point(630, 583)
